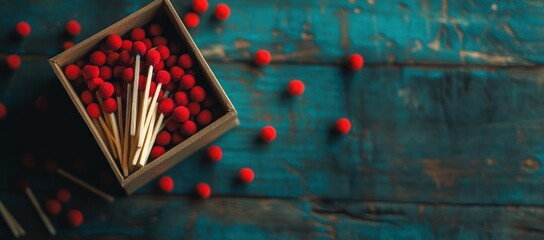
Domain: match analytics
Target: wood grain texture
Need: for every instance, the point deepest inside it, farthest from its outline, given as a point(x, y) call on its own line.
point(386, 31)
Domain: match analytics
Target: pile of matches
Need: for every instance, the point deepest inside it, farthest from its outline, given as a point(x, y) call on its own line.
point(143, 95)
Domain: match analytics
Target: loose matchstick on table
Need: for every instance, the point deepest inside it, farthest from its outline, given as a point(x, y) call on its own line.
point(12, 223)
point(85, 185)
point(38, 208)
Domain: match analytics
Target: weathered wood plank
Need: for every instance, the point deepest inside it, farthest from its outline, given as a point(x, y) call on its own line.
point(169, 217)
point(426, 135)
point(386, 31)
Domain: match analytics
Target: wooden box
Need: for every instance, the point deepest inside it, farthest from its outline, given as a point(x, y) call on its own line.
point(179, 152)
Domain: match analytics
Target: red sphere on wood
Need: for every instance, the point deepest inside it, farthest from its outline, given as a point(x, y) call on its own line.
point(160, 41)
point(105, 73)
point(114, 42)
point(187, 81)
point(163, 138)
point(112, 58)
point(268, 133)
point(166, 184)
point(181, 98)
point(13, 61)
point(180, 114)
point(64, 195)
point(263, 57)
point(200, 6)
point(164, 52)
point(343, 125)
point(23, 28)
point(153, 57)
point(246, 175)
point(90, 72)
point(95, 83)
point(75, 217)
point(355, 62)
point(93, 110)
point(154, 30)
point(185, 61)
point(68, 44)
point(163, 77)
point(203, 190)
point(197, 94)
point(295, 88)
point(110, 105)
point(73, 28)
point(222, 11)
point(53, 206)
point(188, 128)
point(139, 47)
point(137, 34)
point(106, 90)
point(177, 73)
point(98, 58)
point(128, 75)
point(166, 106)
point(204, 118)
point(72, 72)
point(127, 45)
point(215, 153)
point(86, 97)
point(194, 108)
point(156, 152)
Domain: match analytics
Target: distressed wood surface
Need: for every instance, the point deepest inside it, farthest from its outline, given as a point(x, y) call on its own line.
point(446, 141)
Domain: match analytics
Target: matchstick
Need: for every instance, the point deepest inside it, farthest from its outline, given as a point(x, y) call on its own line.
point(39, 210)
point(127, 142)
point(85, 185)
point(138, 48)
point(153, 57)
point(10, 221)
point(145, 153)
point(14, 221)
point(165, 108)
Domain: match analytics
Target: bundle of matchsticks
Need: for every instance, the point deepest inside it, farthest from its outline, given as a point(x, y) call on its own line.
point(136, 87)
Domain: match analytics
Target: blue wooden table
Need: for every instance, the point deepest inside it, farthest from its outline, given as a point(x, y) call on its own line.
point(447, 139)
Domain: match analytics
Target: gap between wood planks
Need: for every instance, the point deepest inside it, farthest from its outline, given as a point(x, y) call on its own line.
point(430, 65)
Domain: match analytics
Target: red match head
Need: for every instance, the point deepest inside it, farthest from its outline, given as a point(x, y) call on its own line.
point(72, 72)
point(22, 28)
point(68, 44)
point(166, 184)
point(197, 94)
point(203, 190)
point(118, 71)
point(73, 28)
point(166, 106)
point(128, 75)
point(105, 73)
point(176, 73)
point(160, 41)
point(156, 152)
point(141, 85)
point(53, 207)
point(98, 58)
point(181, 98)
point(215, 153)
point(93, 110)
point(355, 62)
point(139, 47)
point(164, 52)
point(268, 133)
point(95, 83)
point(114, 42)
point(185, 61)
point(204, 118)
point(188, 128)
point(246, 175)
point(75, 217)
point(191, 20)
point(263, 57)
point(177, 138)
point(112, 58)
point(148, 43)
point(222, 11)
point(154, 30)
point(343, 126)
point(137, 34)
point(153, 57)
point(127, 45)
point(90, 72)
point(194, 108)
point(172, 127)
point(110, 105)
point(295, 87)
point(64, 195)
point(13, 61)
point(125, 58)
point(3, 111)
point(86, 97)
point(187, 81)
point(171, 61)
point(163, 77)
point(200, 6)
point(180, 114)
point(106, 90)
point(163, 138)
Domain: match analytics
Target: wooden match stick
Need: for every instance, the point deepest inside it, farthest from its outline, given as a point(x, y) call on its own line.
point(126, 143)
point(145, 105)
point(133, 115)
point(163, 125)
point(85, 185)
point(40, 211)
point(120, 116)
point(13, 225)
point(109, 136)
point(148, 143)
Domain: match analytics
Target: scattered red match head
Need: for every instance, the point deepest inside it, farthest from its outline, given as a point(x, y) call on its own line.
point(75, 217)
point(28, 160)
point(23, 28)
point(204, 118)
point(73, 28)
point(72, 72)
point(163, 138)
point(105, 73)
point(295, 87)
point(95, 83)
point(191, 20)
point(268, 133)
point(197, 94)
point(215, 153)
point(90, 72)
point(187, 81)
point(246, 175)
point(64, 195)
point(68, 44)
point(163, 77)
point(110, 105)
point(3, 111)
point(203, 190)
point(139, 47)
point(13, 61)
point(98, 58)
point(222, 11)
point(114, 42)
point(164, 52)
point(180, 114)
point(128, 75)
point(188, 128)
point(154, 30)
point(194, 108)
point(200, 6)
point(355, 62)
point(156, 152)
point(263, 57)
point(137, 34)
point(343, 125)
point(53, 207)
point(166, 184)
point(86, 97)
point(176, 73)
point(166, 106)
point(93, 110)
point(185, 61)
point(153, 57)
